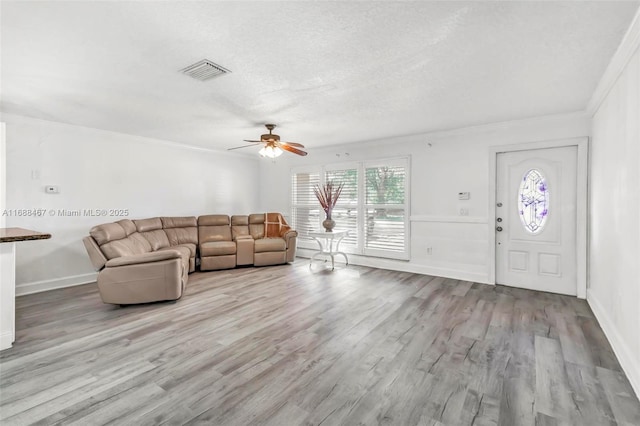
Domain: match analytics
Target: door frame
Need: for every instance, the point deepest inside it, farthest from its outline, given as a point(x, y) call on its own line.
point(582, 144)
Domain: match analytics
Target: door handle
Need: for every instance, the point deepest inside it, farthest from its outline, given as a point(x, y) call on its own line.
point(499, 219)
point(499, 229)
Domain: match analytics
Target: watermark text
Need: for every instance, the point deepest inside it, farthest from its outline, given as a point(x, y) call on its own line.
point(40, 212)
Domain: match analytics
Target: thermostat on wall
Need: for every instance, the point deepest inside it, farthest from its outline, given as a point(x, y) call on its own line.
point(464, 195)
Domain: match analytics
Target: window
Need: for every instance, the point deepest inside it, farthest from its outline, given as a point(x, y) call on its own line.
point(385, 209)
point(306, 211)
point(374, 206)
point(346, 211)
point(533, 201)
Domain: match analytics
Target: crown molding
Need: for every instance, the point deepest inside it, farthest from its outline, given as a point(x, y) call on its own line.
point(11, 118)
point(505, 125)
point(621, 58)
point(437, 135)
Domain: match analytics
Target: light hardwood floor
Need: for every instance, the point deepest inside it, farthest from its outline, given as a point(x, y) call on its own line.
point(287, 345)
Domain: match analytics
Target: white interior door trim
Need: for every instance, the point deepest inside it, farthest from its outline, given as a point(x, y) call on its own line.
point(582, 143)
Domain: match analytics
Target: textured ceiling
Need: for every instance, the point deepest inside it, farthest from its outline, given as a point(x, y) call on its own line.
point(325, 72)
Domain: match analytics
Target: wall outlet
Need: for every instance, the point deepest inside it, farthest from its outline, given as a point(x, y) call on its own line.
point(52, 189)
point(464, 212)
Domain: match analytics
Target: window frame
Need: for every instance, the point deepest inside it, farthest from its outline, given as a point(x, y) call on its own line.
point(304, 241)
point(395, 162)
point(348, 248)
point(361, 205)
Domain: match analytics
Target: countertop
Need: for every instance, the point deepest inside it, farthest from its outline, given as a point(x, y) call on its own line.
point(11, 235)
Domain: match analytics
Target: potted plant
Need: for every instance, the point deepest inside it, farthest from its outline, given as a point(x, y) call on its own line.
point(328, 195)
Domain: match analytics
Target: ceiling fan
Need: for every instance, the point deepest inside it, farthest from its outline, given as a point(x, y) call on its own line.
point(272, 146)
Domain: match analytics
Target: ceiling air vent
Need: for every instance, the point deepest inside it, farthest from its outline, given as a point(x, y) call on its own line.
point(204, 70)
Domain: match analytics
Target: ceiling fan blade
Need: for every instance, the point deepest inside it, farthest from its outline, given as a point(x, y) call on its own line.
point(289, 148)
point(299, 145)
point(238, 147)
point(246, 140)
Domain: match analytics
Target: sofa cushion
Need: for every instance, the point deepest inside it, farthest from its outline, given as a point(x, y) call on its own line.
point(133, 244)
point(141, 241)
point(213, 220)
point(107, 232)
point(157, 239)
point(137, 259)
point(185, 253)
point(128, 226)
point(179, 222)
point(146, 225)
point(179, 236)
point(239, 226)
point(240, 220)
point(151, 230)
point(269, 244)
point(256, 225)
point(217, 248)
point(191, 247)
point(213, 227)
point(180, 230)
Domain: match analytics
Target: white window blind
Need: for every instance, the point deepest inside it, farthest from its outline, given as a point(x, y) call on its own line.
point(305, 207)
point(386, 212)
point(346, 211)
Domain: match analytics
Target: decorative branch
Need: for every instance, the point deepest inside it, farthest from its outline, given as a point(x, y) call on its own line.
point(328, 195)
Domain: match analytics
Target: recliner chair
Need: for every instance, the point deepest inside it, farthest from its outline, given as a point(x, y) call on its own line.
point(217, 250)
point(136, 267)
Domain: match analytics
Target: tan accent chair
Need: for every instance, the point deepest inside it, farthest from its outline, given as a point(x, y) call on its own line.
point(135, 265)
point(217, 250)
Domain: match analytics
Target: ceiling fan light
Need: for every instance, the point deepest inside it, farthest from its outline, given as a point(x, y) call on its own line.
point(270, 152)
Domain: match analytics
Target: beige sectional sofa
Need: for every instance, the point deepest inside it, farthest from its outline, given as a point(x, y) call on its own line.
point(148, 260)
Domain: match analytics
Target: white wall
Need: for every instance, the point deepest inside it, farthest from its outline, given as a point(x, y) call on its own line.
point(96, 169)
point(614, 292)
point(3, 174)
point(456, 161)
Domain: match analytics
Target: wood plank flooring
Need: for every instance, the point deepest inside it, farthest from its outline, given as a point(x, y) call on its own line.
point(287, 345)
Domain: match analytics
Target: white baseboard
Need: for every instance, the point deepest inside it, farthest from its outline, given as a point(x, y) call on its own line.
point(630, 363)
point(46, 285)
point(403, 266)
point(6, 340)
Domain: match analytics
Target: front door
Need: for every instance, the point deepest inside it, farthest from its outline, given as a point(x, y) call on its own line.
point(536, 197)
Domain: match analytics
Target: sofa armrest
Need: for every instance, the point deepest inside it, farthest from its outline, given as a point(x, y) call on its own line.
point(289, 233)
point(135, 259)
point(244, 250)
point(290, 238)
point(98, 260)
point(242, 237)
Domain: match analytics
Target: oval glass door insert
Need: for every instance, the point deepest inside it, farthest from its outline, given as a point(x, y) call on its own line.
point(533, 201)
